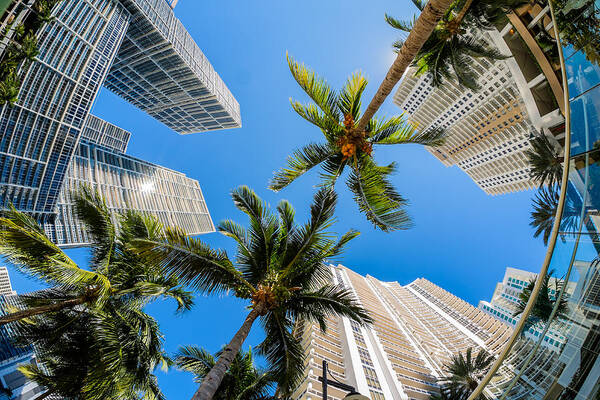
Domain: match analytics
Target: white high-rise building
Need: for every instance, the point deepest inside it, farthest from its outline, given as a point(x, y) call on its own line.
point(505, 301)
point(125, 182)
point(417, 328)
point(488, 131)
point(5, 286)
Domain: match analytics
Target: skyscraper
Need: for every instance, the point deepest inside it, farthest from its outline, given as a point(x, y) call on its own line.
point(141, 52)
point(39, 134)
point(162, 71)
point(125, 182)
point(505, 301)
point(5, 286)
point(417, 328)
point(487, 131)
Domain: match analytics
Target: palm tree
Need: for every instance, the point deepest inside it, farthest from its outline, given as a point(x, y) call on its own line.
point(465, 373)
point(279, 269)
point(43, 9)
point(90, 355)
point(545, 161)
point(450, 50)
point(345, 146)
point(422, 28)
point(114, 270)
point(545, 206)
point(243, 381)
point(9, 89)
point(446, 393)
point(29, 47)
point(545, 302)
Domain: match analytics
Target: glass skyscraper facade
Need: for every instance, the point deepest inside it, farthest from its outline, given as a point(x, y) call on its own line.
point(125, 182)
point(49, 142)
point(40, 133)
point(161, 70)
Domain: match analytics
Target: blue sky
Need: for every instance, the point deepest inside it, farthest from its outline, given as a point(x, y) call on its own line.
point(462, 240)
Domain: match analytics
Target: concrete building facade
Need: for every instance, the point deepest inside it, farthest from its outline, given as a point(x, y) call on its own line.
point(5, 286)
point(487, 131)
point(417, 328)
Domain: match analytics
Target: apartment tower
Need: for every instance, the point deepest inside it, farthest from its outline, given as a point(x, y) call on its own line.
point(417, 328)
point(5, 286)
point(488, 130)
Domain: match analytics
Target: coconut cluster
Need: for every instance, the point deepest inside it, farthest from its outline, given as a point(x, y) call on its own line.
point(353, 140)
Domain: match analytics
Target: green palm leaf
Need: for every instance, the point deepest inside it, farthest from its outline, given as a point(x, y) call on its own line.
point(350, 97)
point(300, 162)
point(24, 244)
point(283, 351)
point(328, 300)
point(545, 161)
point(193, 262)
point(316, 88)
point(377, 198)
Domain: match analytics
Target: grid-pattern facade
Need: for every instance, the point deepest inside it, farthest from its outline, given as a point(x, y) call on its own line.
point(172, 3)
point(105, 134)
point(5, 286)
point(416, 329)
point(39, 134)
point(13, 384)
point(566, 351)
point(487, 131)
point(161, 70)
point(127, 182)
point(505, 301)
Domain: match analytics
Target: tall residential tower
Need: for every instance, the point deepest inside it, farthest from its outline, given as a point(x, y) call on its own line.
point(417, 328)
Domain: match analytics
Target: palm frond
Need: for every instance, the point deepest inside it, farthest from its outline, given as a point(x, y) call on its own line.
point(92, 210)
point(397, 130)
point(377, 198)
point(545, 206)
point(311, 237)
point(262, 232)
point(350, 97)
point(193, 262)
point(283, 351)
point(402, 25)
point(329, 300)
point(544, 161)
point(331, 128)
point(300, 162)
point(24, 244)
point(196, 360)
point(338, 248)
point(316, 88)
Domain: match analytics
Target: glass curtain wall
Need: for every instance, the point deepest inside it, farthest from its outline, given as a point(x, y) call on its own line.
point(567, 366)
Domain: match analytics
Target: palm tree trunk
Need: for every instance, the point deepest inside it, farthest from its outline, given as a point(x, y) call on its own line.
point(213, 379)
point(30, 312)
point(462, 13)
point(422, 29)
